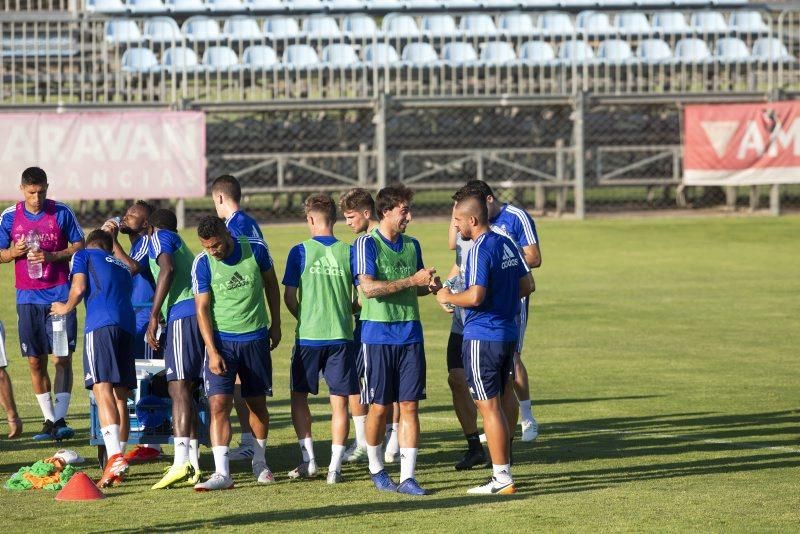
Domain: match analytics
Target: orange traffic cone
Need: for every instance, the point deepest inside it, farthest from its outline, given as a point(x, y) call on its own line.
point(80, 488)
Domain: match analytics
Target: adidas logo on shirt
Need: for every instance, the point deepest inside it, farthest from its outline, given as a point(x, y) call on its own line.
point(325, 267)
point(237, 281)
point(509, 258)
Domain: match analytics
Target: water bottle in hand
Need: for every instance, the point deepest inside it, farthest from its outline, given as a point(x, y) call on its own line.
point(32, 239)
point(60, 342)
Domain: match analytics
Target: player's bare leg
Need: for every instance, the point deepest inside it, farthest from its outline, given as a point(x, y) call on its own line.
point(340, 427)
point(495, 413)
point(391, 441)
point(530, 429)
point(259, 423)
point(376, 430)
point(245, 449)
point(409, 446)
point(358, 449)
point(220, 433)
point(9, 405)
point(40, 380)
point(184, 430)
point(467, 415)
point(62, 394)
point(110, 413)
point(301, 419)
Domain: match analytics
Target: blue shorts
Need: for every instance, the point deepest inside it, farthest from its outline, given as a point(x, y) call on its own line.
point(356, 350)
point(394, 373)
point(251, 360)
point(184, 350)
point(489, 365)
point(522, 322)
point(108, 357)
point(141, 349)
point(36, 329)
point(334, 361)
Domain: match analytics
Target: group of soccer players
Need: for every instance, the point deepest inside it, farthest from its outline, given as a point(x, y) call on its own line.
point(215, 318)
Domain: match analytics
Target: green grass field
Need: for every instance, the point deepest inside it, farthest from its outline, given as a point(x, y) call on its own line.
point(663, 355)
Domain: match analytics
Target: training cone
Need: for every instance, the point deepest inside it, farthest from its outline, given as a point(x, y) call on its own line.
point(80, 488)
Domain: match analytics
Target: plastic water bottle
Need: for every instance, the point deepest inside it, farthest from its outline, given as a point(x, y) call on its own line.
point(455, 285)
point(32, 239)
point(60, 341)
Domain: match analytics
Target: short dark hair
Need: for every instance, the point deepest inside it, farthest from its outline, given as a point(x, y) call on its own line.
point(164, 218)
point(146, 206)
point(229, 186)
point(482, 187)
point(34, 176)
point(211, 226)
point(101, 238)
point(321, 203)
point(390, 197)
point(467, 193)
point(357, 199)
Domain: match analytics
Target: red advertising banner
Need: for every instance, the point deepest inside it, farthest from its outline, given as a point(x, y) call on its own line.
point(742, 144)
point(104, 155)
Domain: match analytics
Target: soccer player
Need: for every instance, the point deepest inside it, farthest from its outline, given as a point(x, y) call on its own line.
point(358, 208)
point(391, 276)
point(59, 237)
point(319, 293)
point(227, 194)
point(516, 224)
point(171, 264)
point(7, 391)
point(496, 278)
point(229, 283)
point(105, 284)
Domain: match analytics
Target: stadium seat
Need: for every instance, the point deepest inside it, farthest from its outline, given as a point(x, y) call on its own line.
point(577, 51)
point(555, 23)
point(536, 52)
point(385, 4)
point(359, 26)
point(516, 24)
point(459, 54)
point(201, 29)
point(498, 53)
point(395, 26)
point(254, 5)
point(147, 6)
point(670, 23)
point(180, 59)
point(110, 7)
point(748, 22)
point(339, 55)
point(226, 5)
point(321, 27)
point(632, 23)
point(439, 25)
point(220, 59)
point(123, 31)
point(304, 5)
point(692, 50)
point(418, 54)
point(139, 61)
point(337, 5)
point(162, 30)
point(615, 51)
point(259, 57)
point(654, 51)
point(299, 56)
point(425, 4)
point(381, 54)
point(593, 23)
point(186, 6)
point(241, 28)
point(731, 50)
point(771, 49)
point(474, 24)
point(708, 22)
point(281, 27)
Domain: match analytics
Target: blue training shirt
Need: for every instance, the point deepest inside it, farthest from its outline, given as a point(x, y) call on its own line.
point(71, 229)
point(240, 223)
point(515, 223)
point(108, 290)
point(166, 242)
point(494, 262)
point(363, 260)
point(143, 283)
point(295, 264)
point(201, 278)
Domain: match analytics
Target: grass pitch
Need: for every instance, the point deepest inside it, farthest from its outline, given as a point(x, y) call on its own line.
point(663, 360)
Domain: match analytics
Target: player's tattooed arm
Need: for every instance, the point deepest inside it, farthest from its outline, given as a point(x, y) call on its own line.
point(165, 276)
point(202, 305)
point(76, 292)
point(380, 288)
point(290, 299)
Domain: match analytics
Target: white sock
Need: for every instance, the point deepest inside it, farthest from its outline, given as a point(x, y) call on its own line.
point(111, 439)
point(525, 410)
point(62, 405)
point(181, 451)
point(408, 463)
point(246, 439)
point(221, 461)
point(337, 451)
point(360, 424)
point(392, 443)
point(502, 473)
point(47, 406)
point(194, 454)
point(122, 445)
point(375, 455)
point(259, 451)
point(307, 448)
